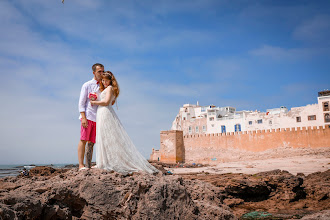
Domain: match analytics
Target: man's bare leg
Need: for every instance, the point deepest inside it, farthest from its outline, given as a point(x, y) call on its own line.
point(89, 154)
point(81, 153)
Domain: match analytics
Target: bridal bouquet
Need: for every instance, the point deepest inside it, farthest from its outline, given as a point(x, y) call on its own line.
point(92, 96)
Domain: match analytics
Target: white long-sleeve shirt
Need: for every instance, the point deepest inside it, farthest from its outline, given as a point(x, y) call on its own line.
point(84, 102)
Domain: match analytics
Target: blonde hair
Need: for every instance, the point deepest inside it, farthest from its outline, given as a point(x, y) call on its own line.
point(113, 82)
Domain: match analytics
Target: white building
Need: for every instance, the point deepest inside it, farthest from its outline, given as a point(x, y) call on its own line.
point(195, 119)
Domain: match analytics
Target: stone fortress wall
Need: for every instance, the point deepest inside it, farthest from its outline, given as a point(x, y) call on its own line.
point(209, 148)
point(194, 139)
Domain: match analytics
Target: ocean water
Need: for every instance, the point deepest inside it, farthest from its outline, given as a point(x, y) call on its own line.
point(16, 169)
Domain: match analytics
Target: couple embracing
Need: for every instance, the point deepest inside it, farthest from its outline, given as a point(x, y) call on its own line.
point(100, 124)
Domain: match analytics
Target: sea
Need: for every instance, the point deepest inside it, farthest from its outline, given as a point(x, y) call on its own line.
point(16, 169)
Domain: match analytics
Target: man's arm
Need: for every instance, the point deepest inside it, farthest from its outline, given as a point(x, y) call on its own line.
point(82, 105)
point(84, 122)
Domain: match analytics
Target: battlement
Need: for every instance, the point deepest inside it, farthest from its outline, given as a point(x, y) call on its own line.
point(293, 129)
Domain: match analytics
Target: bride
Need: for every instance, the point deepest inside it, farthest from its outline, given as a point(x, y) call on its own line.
point(114, 149)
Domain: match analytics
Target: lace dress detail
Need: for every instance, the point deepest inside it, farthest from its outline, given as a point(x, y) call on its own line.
point(114, 148)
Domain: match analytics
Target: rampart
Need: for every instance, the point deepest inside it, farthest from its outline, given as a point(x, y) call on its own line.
point(207, 148)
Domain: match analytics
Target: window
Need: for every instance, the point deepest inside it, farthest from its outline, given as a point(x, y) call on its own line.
point(325, 106)
point(211, 112)
point(204, 128)
point(311, 117)
point(184, 118)
point(237, 127)
point(212, 119)
point(189, 129)
point(327, 117)
point(223, 129)
point(270, 122)
point(298, 119)
point(203, 109)
point(212, 125)
point(250, 122)
point(197, 129)
point(259, 121)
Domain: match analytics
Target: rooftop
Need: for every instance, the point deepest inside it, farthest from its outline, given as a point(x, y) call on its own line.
point(324, 93)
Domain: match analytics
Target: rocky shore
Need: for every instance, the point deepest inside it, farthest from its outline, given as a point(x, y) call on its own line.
point(49, 193)
point(279, 193)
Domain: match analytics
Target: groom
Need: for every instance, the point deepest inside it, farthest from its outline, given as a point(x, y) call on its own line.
point(88, 117)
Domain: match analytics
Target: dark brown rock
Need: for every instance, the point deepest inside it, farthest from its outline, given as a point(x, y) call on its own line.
point(279, 192)
point(98, 194)
point(233, 202)
point(318, 216)
point(46, 171)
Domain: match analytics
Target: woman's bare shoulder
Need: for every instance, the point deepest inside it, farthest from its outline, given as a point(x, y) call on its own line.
point(110, 89)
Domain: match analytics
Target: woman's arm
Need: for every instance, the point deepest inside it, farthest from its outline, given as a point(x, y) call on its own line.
point(106, 100)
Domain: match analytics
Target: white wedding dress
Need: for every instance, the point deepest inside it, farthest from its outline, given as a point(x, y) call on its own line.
point(114, 148)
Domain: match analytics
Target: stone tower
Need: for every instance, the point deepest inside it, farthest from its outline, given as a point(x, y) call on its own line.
point(171, 146)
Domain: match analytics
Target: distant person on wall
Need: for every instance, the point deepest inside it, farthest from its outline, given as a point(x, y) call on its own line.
point(115, 150)
point(88, 116)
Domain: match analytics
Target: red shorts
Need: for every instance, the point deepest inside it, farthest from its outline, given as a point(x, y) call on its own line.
point(89, 133)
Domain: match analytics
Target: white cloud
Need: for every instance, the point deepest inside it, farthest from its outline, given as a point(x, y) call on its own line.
point(314, 30)
point(275, 52)
point(288, 54)
point(114, 25)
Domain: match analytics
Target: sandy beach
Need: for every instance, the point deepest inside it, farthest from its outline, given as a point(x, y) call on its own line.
point(295, 161)
point(294, 165)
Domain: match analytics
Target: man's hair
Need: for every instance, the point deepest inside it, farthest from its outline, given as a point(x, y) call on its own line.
point(95, 65)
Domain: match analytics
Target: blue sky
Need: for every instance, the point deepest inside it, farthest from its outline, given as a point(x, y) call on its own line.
point(246, 54)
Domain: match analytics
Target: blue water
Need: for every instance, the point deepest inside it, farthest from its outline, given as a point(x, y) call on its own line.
point(16, 169)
